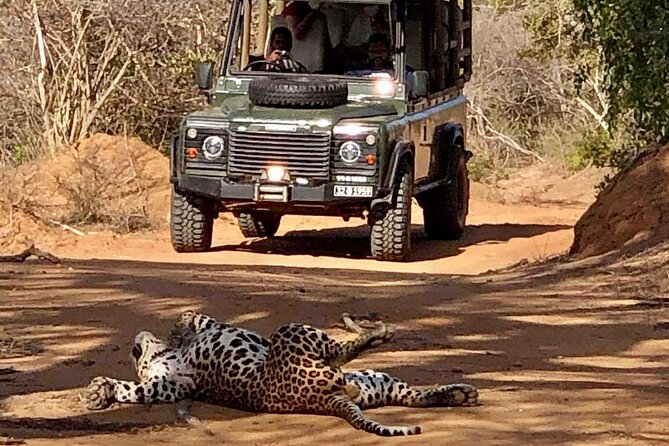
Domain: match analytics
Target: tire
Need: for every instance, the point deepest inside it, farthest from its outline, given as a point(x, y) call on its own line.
point(191, 222)
point(391, 235)
point(446, 208)
point(297, 92)
point(263, 224)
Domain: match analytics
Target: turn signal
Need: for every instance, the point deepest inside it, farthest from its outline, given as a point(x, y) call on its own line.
point(191, 152)
point(371, 159)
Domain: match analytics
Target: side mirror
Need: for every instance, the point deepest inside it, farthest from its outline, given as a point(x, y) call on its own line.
point(420, 84)
point(205, 76)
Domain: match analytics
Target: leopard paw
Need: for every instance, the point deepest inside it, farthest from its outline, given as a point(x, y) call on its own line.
point(383, 333)
point(99, 394)
point(456, 395)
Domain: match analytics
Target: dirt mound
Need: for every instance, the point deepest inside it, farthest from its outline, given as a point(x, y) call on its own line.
point(632, 208)
point(117, 182)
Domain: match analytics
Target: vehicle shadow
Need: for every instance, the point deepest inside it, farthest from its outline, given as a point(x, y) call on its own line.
point(354, 242)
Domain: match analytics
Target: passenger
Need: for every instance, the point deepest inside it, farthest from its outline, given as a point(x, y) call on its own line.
point(378, 57)
point(369, 21)
point(362, 27)
point(310, 34)
point(379, 60)
point(336, 16)
point(300, 16)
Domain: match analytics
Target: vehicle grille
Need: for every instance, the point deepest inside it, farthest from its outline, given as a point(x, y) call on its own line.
point(304, 155)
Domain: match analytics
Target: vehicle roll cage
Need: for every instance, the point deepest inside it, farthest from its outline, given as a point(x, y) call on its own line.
point(448, 57)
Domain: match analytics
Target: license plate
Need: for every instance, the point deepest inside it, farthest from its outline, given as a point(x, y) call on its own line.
point(353, 191)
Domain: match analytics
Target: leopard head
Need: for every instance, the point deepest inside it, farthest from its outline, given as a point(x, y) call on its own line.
point(145, 349)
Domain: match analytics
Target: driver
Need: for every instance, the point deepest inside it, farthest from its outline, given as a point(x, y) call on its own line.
point(280, 44)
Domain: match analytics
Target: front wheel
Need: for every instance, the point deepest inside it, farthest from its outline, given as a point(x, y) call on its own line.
point(391, 235)
point(191, 222)
point(446, 208)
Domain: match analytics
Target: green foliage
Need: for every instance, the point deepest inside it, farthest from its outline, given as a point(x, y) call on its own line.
point(554, 30)
point(19, 155)
point(182, 64)
point(598, 146)
point(633, 37)
point(484, 169)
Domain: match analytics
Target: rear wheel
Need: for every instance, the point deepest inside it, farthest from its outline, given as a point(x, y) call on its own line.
point(191, 222)
point(259, 224)
point(445, 209)
point(391, 235)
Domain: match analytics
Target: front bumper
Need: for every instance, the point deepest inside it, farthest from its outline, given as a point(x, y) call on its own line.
point(260, 192)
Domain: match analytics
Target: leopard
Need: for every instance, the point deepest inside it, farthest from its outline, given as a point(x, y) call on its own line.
point(298, 369)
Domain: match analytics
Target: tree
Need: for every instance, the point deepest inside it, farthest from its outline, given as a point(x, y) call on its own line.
point(633, 39)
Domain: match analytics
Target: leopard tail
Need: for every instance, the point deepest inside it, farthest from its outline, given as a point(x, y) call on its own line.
point(343, 407)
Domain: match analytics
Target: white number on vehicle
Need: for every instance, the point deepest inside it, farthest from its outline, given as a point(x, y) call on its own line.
point(353, 191)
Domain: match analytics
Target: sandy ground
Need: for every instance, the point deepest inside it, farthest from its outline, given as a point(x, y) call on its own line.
point(497, 235)
point(562, 353)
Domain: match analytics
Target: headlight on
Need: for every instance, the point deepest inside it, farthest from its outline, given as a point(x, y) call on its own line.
point(350, 152)
point(213, 147)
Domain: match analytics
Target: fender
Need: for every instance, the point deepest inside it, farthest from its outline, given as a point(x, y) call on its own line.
point(174, 150)
point(402, 150)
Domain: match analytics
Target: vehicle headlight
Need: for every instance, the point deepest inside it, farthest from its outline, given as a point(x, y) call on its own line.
point(350, 152)
point(213, 147)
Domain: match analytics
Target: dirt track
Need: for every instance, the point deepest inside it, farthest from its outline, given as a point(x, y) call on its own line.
point(561, 354)
point(497, 235)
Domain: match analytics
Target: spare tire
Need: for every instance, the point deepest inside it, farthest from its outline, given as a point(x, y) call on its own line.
point(298, 92)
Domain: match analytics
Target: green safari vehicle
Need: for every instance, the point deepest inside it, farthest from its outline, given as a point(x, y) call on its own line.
point(344, 108)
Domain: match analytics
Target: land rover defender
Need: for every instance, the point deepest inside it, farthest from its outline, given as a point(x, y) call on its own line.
point(346, 108)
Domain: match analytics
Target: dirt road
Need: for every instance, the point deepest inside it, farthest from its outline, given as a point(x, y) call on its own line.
point(561, 354)
point(497, 235)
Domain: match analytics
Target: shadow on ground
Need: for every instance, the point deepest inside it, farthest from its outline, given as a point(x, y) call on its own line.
point(354, 242)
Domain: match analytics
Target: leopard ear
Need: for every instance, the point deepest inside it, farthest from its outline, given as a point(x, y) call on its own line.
point(136, 352)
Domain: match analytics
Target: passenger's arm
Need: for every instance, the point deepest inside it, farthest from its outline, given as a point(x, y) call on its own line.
point(301, 27)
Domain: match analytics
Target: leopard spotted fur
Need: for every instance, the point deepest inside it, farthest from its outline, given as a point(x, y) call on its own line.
point(296, 370)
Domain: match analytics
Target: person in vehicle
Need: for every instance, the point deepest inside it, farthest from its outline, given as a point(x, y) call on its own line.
point(369, 21)
point(280, 44)
point(379, 60)
point(300, 16)
point(378, 57)
point(310, 34)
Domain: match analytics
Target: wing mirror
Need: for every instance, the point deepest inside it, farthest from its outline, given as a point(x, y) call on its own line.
point(205, 76)
point(420, 84)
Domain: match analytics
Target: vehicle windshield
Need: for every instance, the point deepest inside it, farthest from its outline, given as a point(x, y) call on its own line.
point(300, 36)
